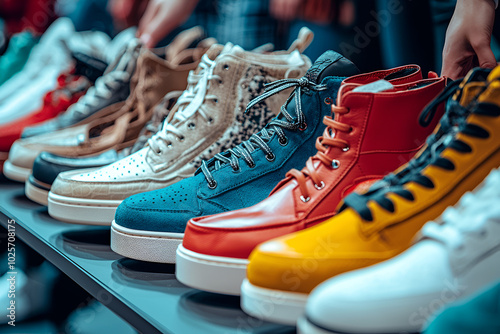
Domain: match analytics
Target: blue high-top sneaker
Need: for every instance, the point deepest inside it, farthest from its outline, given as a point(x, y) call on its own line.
point(150, 226)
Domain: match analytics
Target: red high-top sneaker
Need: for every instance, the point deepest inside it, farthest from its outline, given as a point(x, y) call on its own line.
point(374, 130)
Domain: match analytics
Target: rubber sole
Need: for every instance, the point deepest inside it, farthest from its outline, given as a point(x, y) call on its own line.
point(210, 273)
point(36, 192)
point(82, 211)
point(306, 327)
point(16, 173)
point(272, 305)
point(150, 246)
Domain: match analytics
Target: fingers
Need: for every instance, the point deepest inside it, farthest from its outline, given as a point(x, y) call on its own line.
point(485, 56)
point(161, 17)
point(159, 27)
point(151, 11)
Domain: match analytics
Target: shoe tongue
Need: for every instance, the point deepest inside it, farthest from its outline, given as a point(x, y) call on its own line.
point(472, 85)
point(494, 74)
point(331, 63)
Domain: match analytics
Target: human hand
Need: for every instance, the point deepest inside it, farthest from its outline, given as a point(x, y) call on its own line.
point(161, 17)
point(468, 38)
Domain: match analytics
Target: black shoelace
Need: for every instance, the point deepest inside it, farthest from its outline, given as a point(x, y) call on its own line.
point(261, 139)
point(453, 122)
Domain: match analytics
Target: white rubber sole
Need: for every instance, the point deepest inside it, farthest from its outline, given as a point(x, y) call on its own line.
point(36, 194)
point(210, 273)
point(16, 173)
point(150, 246)
point(272, 305)
point(82, 211)
point(305, 327)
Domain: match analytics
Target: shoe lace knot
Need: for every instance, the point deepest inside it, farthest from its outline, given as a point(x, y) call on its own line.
point(260, 140)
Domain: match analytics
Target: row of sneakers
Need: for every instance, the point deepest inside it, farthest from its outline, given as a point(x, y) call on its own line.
point(221, 226)
point(451, 259)
point(58, 72)
point(218, 91)
point(375, 128)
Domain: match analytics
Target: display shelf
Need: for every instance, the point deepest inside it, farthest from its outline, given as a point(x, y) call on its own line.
point(146, 295)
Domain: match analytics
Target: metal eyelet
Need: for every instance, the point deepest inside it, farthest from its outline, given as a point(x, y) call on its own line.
point(271, 157)
point(328, 100)
point(216, 101)
point(345, 149)
point(302, 127)
point(210, 120)
point(213, 185)
point(305, 200)
point(284, 142)
point(321, 185)
point(220, 81)
point(181, 139)
point(335, 164)
point(191, 126)
point(225, 67)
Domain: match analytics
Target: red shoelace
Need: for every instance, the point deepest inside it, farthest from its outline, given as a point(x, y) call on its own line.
point(322, 143)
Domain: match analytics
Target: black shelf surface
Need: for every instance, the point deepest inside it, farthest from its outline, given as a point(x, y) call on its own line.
point(147, 295)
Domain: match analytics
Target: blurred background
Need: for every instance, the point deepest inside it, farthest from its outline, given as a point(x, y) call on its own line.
point(374, 34)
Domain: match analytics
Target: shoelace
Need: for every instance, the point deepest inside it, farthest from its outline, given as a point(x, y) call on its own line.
point(144, 81)
point(190, 102)
point(154, 125)
point(469, 217)
point(261, 139)
point(454, 121)
point(322, 143)
point(106, 85)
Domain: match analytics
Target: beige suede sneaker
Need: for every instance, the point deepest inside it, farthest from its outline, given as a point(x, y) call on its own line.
point(209, 117)
point(157, 72)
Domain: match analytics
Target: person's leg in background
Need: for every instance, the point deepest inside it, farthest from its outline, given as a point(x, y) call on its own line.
point(355, 37)
point(407, 35)
point(91, 15)
point(243, 22)
point(442, 11)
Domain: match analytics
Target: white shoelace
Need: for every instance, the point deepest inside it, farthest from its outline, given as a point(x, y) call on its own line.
point(106, 85)
point(191, 101)
point(470, 216)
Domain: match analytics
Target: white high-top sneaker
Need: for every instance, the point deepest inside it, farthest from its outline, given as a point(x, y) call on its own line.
point(451, 260)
